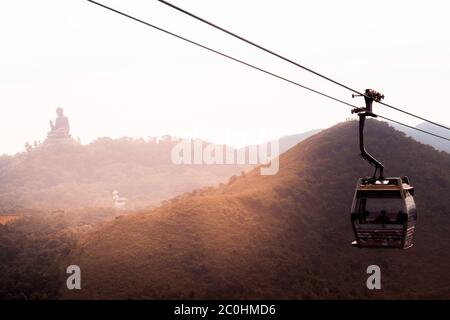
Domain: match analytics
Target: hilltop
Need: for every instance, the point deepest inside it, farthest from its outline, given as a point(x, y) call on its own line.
point(67, 176)
point(71, 175)
point(281, 236)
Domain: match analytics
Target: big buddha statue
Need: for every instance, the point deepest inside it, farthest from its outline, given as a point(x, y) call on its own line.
point(59, 130)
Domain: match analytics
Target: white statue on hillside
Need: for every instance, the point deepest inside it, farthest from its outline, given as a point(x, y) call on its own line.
point(119, 202)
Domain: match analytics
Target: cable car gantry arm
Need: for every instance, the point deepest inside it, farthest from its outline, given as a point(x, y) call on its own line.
point(369, 97)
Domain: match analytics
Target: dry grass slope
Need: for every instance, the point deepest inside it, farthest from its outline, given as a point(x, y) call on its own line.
point(282, 236)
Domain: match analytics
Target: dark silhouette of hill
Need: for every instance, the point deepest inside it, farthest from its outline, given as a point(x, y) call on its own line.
point(73, 175)
point(437, 143)
point(33, 244)
point(281, 236)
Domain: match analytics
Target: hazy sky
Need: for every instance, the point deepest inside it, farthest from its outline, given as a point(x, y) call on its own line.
point(115, 77)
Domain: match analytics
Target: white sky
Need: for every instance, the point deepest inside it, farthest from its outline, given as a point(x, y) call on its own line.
point(115, 77)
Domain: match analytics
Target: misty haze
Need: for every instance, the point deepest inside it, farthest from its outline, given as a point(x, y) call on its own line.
point(146, 154)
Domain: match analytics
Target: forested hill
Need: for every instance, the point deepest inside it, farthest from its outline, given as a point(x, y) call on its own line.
point(281, 236)
point(68, 176)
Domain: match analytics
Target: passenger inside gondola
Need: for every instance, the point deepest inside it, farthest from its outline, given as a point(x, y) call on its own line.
point(383, 218)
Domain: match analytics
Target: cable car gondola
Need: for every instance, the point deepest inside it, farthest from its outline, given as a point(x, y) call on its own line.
point(383, 213)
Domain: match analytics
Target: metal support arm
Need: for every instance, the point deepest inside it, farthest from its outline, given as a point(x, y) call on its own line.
point(364, 154)
point(369, 97)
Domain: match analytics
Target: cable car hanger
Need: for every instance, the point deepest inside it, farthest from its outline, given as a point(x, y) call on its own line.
point(370, 96)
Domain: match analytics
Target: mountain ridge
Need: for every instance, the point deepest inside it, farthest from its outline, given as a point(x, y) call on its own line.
point(422, 137)
point(68, 175)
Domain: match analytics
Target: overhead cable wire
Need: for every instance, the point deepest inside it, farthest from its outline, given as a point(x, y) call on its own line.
point(411, 127)
point(248, 64)
point(221, 53)
point(292, 61)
